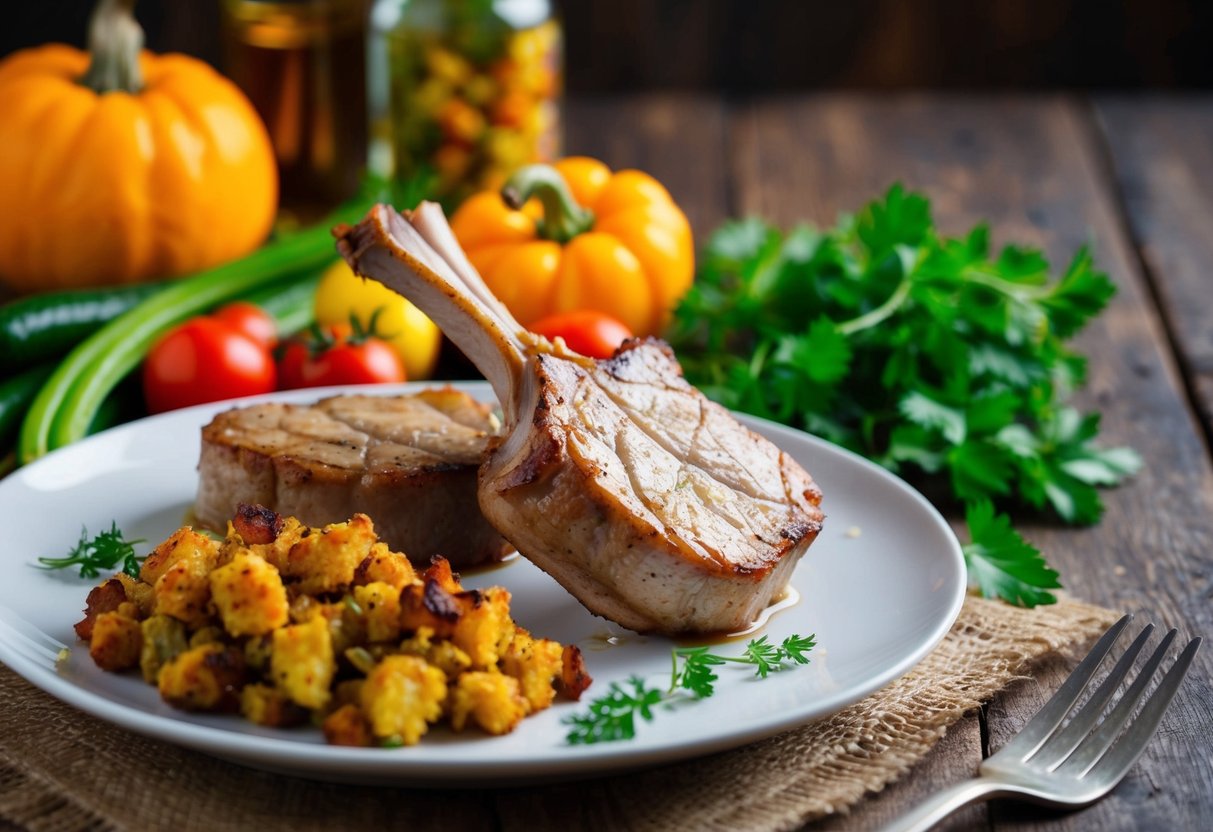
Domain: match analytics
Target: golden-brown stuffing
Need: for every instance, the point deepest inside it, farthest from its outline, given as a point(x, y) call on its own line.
point(301, 663)
point(379, 606)
point(401, 697)
point(116, 642)
point(286, 623)
point(492, 700)
point(205, 678)
point(347, 726)
point(102, 598)
point(183, 544)
point(325, 560)
point(383, 565)
point(536, 664)
point(249, 596)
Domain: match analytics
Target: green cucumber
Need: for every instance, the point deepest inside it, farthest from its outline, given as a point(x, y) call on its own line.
point(16, 394)
point(41, 327)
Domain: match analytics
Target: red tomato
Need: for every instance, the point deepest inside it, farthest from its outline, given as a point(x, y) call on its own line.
point(204, 360)
point(365, 361)
point(585, 331)
point(250, 319)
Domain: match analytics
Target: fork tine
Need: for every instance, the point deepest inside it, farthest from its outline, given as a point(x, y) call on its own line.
point(1120, 759)
point(1094, 746)
point(1050, 716)
point(1060, 745)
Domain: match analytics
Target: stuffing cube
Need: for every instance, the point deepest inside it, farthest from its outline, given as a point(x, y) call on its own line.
point(184, 592)
point(205, 678)
point(401, 697)
point(536, 663)
point(183, 544)
point(383, 565)
point(325, 561)
point(380, 606)
point(105, 597)
point(490, 699)
point(486, 629)
point(116, 642)
point(301, 664)
point(249, 596)
point(347, 726)
point(278, 550)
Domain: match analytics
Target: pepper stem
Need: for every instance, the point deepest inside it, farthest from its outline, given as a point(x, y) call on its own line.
point(563, 219)
point(114, 41)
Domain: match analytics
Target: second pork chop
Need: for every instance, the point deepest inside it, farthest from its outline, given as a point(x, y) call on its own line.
point(407, 461)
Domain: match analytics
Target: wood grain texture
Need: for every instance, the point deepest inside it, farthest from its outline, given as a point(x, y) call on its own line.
point(1161, 152)
point(1031, 167)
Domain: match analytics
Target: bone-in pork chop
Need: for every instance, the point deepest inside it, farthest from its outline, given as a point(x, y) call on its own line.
point(409, 462)
point(648, 502)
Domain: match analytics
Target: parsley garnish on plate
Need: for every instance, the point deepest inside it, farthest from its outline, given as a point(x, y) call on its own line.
point(105, 551)
point(933, 356)
point(613, 717)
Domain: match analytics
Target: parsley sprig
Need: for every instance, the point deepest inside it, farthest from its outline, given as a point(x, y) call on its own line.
point(933, 356)
point(612, 717)
point(105, 551)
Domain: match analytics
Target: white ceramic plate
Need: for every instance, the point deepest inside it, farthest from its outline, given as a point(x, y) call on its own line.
point(879, 588)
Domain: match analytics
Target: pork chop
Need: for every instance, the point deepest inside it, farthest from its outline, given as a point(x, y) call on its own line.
point(648, 502)
point(409, 462)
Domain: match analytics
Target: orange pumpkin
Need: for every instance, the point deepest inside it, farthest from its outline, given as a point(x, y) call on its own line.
point(118, 165)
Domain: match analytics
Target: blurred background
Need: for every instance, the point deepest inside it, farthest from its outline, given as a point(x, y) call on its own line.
point(749, 45)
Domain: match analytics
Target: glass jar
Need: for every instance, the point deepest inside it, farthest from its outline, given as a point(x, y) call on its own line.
point(462, 92)
point(303, 65)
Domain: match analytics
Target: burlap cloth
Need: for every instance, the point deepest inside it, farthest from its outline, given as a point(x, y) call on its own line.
point(62, 770)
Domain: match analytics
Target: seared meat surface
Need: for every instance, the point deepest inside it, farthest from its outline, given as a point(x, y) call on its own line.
point(407, 461)
point(648, 502)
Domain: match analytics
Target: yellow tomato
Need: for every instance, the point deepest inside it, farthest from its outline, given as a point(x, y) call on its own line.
point(415, 337)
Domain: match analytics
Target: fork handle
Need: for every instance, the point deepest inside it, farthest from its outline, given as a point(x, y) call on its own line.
point(943, 803)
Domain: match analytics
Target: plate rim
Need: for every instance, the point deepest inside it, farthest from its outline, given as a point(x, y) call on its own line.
point(371, 765)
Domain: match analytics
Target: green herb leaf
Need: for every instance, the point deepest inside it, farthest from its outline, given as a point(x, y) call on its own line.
point(763, 655)
point(1002, 564)
point(613, 717)
point(105, 551)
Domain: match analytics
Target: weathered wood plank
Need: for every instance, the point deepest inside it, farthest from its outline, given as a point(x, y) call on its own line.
point(1030, 167)
point(1161, 152)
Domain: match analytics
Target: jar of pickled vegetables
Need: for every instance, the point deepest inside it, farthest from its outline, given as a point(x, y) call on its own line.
point(462, 92)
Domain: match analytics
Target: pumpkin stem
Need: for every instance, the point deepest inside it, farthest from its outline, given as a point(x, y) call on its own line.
point(114, 41)
point(563, 219)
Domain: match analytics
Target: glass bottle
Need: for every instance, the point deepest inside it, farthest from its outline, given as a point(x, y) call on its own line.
point(303, 65)
point(462, 92)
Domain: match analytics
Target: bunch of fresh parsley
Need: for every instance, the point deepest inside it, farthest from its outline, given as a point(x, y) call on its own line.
point(932, 356)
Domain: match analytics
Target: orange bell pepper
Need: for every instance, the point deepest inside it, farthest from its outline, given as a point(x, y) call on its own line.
point(574, 235)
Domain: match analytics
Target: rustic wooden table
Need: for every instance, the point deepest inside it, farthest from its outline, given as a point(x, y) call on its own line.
point(1131, 176)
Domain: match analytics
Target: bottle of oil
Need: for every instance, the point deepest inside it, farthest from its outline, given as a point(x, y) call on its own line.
point(462, 92)
point(303, 65)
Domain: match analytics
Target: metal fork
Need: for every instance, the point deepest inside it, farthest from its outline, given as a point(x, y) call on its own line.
point(1074, 765)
